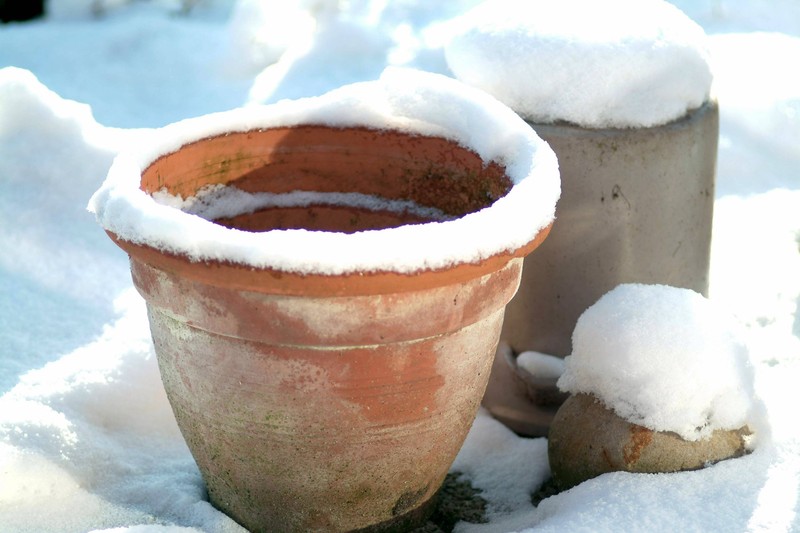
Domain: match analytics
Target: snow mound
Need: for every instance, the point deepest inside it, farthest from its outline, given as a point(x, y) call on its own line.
point(618, 63)
point(402, 99)
point(664, 358)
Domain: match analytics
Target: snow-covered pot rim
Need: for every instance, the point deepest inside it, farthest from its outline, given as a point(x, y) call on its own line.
point(402, 102)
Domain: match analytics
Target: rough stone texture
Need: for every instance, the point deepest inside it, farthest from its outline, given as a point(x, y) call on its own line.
point(587, 439)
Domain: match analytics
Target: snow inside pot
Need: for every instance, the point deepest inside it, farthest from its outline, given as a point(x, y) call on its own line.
point(660, 381)
point(326, 282)
point(622, 94)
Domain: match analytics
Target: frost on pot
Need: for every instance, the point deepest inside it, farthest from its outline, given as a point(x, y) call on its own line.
point(661, 381)
point(326, 281)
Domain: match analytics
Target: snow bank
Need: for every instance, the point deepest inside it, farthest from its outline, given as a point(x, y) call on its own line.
point(188, 62)
point(296, 74)
point(261, 31)
point(52, 153)
point(58, 273)
point(404, 100)
point(619, 63)
point(758, 100)
point(664, 358)
point(94, 434)
point(361, 38)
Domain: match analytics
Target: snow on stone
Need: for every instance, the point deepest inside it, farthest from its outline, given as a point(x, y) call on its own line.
point(617, 63)
point(402, 99)
point(664, 358)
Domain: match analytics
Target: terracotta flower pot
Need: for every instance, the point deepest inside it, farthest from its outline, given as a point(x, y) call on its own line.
point(318, 397)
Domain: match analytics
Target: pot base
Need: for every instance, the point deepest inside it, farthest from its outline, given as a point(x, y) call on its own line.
point(406, 522)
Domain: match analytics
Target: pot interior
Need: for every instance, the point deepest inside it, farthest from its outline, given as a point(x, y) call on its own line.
point(429, 172)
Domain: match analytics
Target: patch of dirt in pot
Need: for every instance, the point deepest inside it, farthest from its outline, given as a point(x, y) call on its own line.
point(458, 501)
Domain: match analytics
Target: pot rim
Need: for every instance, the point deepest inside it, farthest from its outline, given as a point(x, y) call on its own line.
point(402, 100)
point(272, 281)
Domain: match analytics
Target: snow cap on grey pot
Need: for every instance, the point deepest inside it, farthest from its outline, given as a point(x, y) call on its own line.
point(660, 381)
point(621, 90)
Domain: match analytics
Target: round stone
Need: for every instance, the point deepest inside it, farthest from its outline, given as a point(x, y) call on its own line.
point(587, 439)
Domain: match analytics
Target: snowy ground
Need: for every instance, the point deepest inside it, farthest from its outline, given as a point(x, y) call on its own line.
point(87, 439)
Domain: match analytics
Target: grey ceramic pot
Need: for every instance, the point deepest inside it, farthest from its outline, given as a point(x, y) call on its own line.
point(636, 207)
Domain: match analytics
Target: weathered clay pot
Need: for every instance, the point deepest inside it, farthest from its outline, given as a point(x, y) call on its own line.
point(325, 357)
point(636, 207)
point(587, 439)
point(319, 401)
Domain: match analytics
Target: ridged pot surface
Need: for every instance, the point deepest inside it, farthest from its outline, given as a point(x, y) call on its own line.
point(326, 402)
